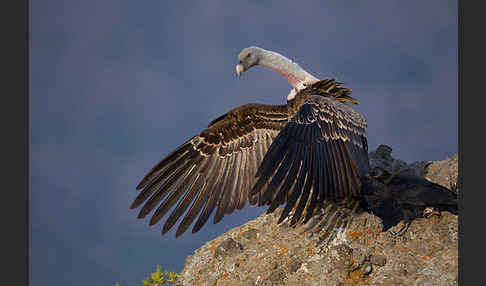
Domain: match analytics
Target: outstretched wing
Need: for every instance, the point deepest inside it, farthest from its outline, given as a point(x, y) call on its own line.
point(319, 155)
point(214, 169)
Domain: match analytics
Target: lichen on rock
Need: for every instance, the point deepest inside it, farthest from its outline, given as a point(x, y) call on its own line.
point(262, 252)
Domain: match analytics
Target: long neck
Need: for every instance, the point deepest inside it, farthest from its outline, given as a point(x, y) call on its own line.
point(290, 70)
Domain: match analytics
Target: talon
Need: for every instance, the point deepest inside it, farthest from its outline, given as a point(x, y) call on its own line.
point(402, 230)
point(429, 212)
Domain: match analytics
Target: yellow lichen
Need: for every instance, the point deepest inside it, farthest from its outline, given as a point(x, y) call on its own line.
point(357, 278)
point(214, 244)
point(283, 250)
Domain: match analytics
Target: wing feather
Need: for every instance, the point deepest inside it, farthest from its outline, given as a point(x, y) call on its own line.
point(315, 153)
point(305, 191)
point(214, 169)
point(330, 154)
point(211, 203)
point(201, 198)
point(233, 181)
point(293, 186)
point(245, 178)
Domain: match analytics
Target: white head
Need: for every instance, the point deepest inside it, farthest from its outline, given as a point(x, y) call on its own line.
point(249, 57)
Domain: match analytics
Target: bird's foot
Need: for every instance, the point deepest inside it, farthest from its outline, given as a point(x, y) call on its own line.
point(402, 230)
point(430, 211)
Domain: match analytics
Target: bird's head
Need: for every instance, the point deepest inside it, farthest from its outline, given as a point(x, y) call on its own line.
point(247, 58)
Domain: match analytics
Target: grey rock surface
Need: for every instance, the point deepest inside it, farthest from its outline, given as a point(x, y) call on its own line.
point(262, 252)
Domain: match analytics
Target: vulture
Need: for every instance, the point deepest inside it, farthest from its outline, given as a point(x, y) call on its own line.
point(306, 153)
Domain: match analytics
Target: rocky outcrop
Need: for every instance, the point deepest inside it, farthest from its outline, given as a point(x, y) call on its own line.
point(262, 252)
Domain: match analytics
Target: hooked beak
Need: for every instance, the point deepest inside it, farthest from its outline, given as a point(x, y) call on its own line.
point(239, 69)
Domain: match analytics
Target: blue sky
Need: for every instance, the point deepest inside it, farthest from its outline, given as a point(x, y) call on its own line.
point(116, 85)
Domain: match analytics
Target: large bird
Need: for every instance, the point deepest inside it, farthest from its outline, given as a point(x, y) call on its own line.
point(305, 153)
point(401, 197)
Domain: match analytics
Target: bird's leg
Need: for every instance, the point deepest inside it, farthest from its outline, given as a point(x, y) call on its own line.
point(431, 211)
point(403, 230)
point(370, 205)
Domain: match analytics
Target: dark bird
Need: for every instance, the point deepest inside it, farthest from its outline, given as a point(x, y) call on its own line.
point(402, 197)
point(307, 152)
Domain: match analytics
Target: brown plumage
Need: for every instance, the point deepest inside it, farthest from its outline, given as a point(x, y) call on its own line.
point(214, 169)
point(310, 154)
point(217, 168)
point(318, 157)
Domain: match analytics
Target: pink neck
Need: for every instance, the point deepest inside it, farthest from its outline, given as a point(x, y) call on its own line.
point(293, 79)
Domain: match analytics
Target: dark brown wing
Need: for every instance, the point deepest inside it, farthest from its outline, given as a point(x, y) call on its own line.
point(318, 156)
point(414, 190)
point(333, 218)
point(214, 169)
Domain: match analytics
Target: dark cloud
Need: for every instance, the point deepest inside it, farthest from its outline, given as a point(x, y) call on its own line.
point(115, 86)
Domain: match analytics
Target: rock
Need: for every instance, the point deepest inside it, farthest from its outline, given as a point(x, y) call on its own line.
point(251, 234)
point(294, 265)
point(228, 247)
point(367, 268)
point(382, 158)
point(444, 172)
point(261, 252)
point(383, 152)
point(379, 260)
